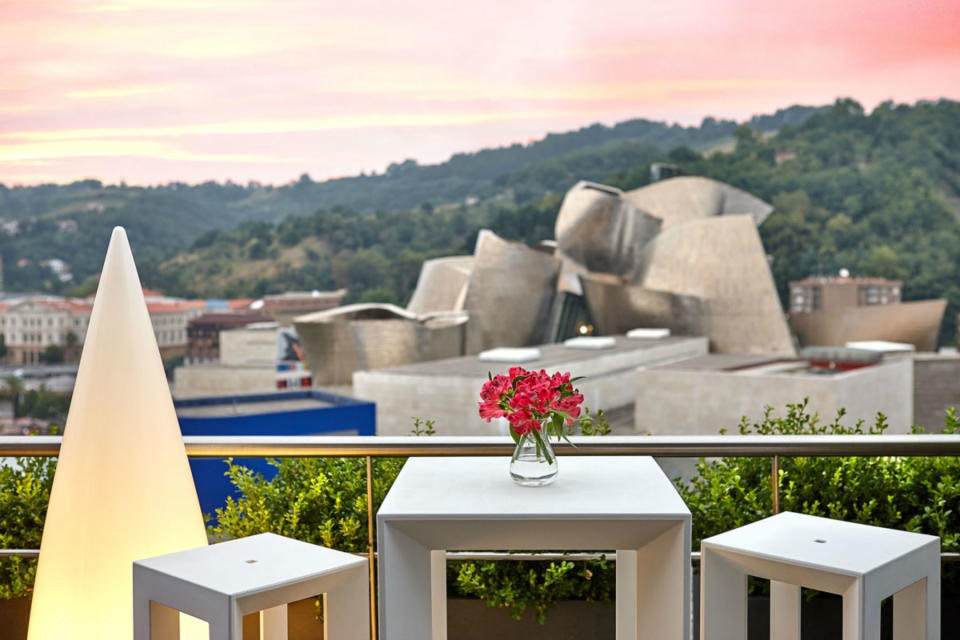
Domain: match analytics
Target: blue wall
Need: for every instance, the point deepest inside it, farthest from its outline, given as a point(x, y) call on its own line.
point(347, 416)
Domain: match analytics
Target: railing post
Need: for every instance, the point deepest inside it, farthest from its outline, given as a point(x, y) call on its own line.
point(373, 587)
point(775, 483)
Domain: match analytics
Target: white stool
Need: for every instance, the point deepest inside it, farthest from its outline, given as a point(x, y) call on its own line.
point(863, 564)
point(223, 582)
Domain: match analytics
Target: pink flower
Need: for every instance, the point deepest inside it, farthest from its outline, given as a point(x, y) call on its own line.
point(529, 398)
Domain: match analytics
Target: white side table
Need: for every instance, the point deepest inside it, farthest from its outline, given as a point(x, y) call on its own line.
point(863, 564)
point(625, 504)
point(223, 582)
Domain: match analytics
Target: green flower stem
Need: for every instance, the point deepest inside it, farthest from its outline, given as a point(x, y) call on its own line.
point(542, 449)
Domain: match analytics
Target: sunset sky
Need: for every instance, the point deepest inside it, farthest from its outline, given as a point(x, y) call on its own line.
point(150, 91)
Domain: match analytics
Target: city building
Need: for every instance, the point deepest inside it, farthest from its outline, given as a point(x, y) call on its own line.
point(60, 269)
point(257, 358)
point(683, 253)
point(837, 310)
point(835, 293)
point(35, 327)
point(708, 393)
point(448, 391)
point(203, 333)
point(170, 317)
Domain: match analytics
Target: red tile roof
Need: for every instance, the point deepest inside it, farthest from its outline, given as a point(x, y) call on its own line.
point(175, 306)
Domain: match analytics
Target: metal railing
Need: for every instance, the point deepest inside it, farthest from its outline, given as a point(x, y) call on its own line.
point(661, 446)
point(369, 447)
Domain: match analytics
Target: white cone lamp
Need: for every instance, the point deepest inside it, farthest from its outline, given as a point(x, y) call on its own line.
point(122, 490)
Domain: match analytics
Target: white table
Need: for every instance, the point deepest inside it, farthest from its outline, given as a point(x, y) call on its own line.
point(223, 582)
point(625, 504)
point(863, 564)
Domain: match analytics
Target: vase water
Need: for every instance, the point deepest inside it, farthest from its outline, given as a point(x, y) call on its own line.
point(534, 463)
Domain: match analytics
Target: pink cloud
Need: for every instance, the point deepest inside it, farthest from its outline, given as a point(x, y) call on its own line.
point(174, 89)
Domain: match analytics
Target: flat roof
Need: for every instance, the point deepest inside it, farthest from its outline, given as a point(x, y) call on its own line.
point(553, 356)
point(720, 362)
point(759, 364)
point(251, 408)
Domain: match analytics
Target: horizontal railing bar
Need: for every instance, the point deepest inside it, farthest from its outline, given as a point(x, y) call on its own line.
point(664, 446)
point(23, 553)
point(466, 556)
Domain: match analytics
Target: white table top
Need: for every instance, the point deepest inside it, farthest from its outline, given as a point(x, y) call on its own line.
point(847, 548)
point(588, 487)
point(227, 568)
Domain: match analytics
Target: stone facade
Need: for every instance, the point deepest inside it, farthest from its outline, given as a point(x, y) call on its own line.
point(704, 395)
point(721, 261)
point(509, 295)
point(936, 388)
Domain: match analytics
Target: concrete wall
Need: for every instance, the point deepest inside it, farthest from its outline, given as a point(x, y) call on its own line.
point(213, 380)
point(452, 400)
point(834, 296)
point(248, 347)
point(936, 387)
point(703, 402)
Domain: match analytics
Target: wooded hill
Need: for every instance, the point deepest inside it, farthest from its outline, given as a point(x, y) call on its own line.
point(877, 193)
point(165, 219)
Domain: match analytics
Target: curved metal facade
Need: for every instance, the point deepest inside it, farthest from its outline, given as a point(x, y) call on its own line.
point(916, 323)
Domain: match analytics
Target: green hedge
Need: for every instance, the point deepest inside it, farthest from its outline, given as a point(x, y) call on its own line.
point(916, 494)
point(324, 501)
point(24, 493)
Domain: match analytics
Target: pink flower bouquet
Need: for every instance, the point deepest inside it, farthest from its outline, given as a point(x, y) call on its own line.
point(533, 402)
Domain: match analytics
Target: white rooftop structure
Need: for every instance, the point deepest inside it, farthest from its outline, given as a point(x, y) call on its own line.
point(883, 346)
point(448, 391)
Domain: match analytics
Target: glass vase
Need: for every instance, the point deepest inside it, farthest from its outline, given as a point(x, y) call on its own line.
point(533, 463)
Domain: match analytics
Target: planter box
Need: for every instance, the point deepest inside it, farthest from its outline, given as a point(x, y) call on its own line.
point(576, 620)
point(469, 619)
point(14, 617)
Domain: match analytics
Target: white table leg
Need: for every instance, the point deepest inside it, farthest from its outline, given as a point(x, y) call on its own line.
point(227, 623)
point(914, 612)
point(861, 613)
point(723, 598)
point(784, 611)
point(626, 595)
point(141, 615)
point(273, 623)
point(438, 593)
point(346, 611)
point(653, 588)
point(406, 599)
